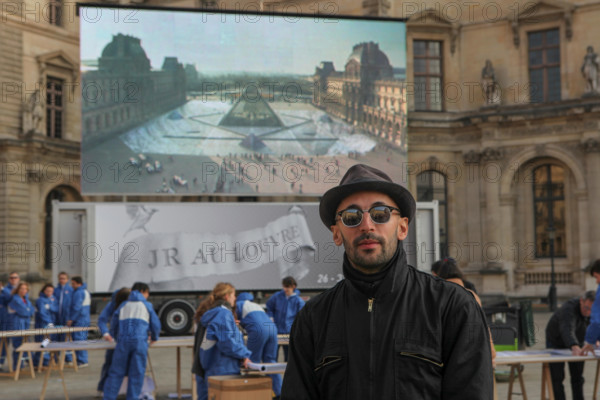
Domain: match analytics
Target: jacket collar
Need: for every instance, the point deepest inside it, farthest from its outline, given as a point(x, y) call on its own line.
point(386, 281)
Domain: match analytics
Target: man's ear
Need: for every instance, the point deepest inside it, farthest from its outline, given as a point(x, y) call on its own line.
point(402, 228)
point(337, 235)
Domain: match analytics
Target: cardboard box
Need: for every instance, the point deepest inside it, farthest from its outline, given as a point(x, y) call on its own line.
point(238, 387)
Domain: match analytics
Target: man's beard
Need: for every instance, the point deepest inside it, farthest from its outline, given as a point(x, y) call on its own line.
point(371, 260)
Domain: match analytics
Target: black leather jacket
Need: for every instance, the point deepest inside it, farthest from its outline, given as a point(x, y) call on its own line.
point(408, 336)
point(567, 326)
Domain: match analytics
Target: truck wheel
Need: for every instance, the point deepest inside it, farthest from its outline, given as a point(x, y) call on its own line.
point(177, 318)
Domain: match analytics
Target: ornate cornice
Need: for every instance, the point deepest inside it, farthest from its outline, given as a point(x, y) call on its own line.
point(590, 146)
point(472, 157)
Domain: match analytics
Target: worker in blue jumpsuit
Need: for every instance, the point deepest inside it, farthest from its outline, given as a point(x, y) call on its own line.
point(592, 333)
point(222, 350)
point(283, 307)
point(118, 297)
point(79, 315)
point(45, 316)
point(63, 293)
point(262, 334)
point(130, 325)
point(5, 296)
point(20, 310)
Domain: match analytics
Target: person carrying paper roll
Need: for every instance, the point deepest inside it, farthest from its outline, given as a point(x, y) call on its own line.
point(262, 334)
point(221, 349)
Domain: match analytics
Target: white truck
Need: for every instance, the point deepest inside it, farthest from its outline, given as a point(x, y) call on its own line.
point(183, 249)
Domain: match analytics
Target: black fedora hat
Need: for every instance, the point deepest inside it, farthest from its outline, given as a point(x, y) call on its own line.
point(359, 178)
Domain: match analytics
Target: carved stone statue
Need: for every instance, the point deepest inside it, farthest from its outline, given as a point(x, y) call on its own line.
point(590, 70)
point(489, 85)
point(33, 114)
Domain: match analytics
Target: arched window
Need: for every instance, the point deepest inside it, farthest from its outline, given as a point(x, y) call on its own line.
point(549, 206)
point(431, 185)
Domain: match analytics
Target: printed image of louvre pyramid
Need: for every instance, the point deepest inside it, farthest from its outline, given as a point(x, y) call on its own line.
point(251, 113)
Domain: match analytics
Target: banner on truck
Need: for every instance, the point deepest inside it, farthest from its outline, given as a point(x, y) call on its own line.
point(184, 247)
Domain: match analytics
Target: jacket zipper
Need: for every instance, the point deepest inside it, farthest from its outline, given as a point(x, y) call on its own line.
point(421, 357)
point(326, 361)
point(372, 335)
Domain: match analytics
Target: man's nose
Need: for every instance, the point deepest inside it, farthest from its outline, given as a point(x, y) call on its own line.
point(367, 223)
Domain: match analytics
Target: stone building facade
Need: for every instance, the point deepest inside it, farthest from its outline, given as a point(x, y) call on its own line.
point(365, 94)
point(124, 91)
point(503, 130)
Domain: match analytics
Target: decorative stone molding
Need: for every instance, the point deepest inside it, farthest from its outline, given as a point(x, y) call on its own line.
point(432, 20)
point(569, 24)
point(376, 7)
point(454, 37)
point(60, 64)
point(492, 154)
point(514, 26)
point(591, 146)
point(472, 157)
point(543, 11)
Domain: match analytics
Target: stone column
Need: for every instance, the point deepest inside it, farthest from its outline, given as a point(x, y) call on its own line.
point(474, 204)
point(497, 215)
point(591, 148)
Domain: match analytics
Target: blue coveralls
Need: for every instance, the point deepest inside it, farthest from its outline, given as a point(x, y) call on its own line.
point(222, 348)
point(79, 313)
point(46, 314)
point(103, 320)
point(5, 296)
point(19, 315)
point(592, 333)
point(129, 326)
point(63, 295)
point(262, 334)
point(283, 310)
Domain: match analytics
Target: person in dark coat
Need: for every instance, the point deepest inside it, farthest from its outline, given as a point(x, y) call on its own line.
point(386, 331)
point(566, 330)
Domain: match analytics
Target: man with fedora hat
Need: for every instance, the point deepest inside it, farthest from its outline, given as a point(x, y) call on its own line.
point(386, 331)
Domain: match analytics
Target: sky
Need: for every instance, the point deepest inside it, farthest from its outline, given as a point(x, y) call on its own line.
point(240, 42)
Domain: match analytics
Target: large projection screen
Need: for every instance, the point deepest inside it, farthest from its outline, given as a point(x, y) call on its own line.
point(207, 102)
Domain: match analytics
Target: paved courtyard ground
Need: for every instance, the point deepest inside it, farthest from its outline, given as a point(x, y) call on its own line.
point(82, 385)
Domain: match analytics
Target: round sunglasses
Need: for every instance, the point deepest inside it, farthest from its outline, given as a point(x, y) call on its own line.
point(352, 217)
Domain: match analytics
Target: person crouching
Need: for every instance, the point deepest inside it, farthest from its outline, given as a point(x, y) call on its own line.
point(222, 348)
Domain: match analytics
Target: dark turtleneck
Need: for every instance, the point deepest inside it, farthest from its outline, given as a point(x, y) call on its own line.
point(368, 284)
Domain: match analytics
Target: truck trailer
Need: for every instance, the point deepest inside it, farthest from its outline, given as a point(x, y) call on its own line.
point(181, 250)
